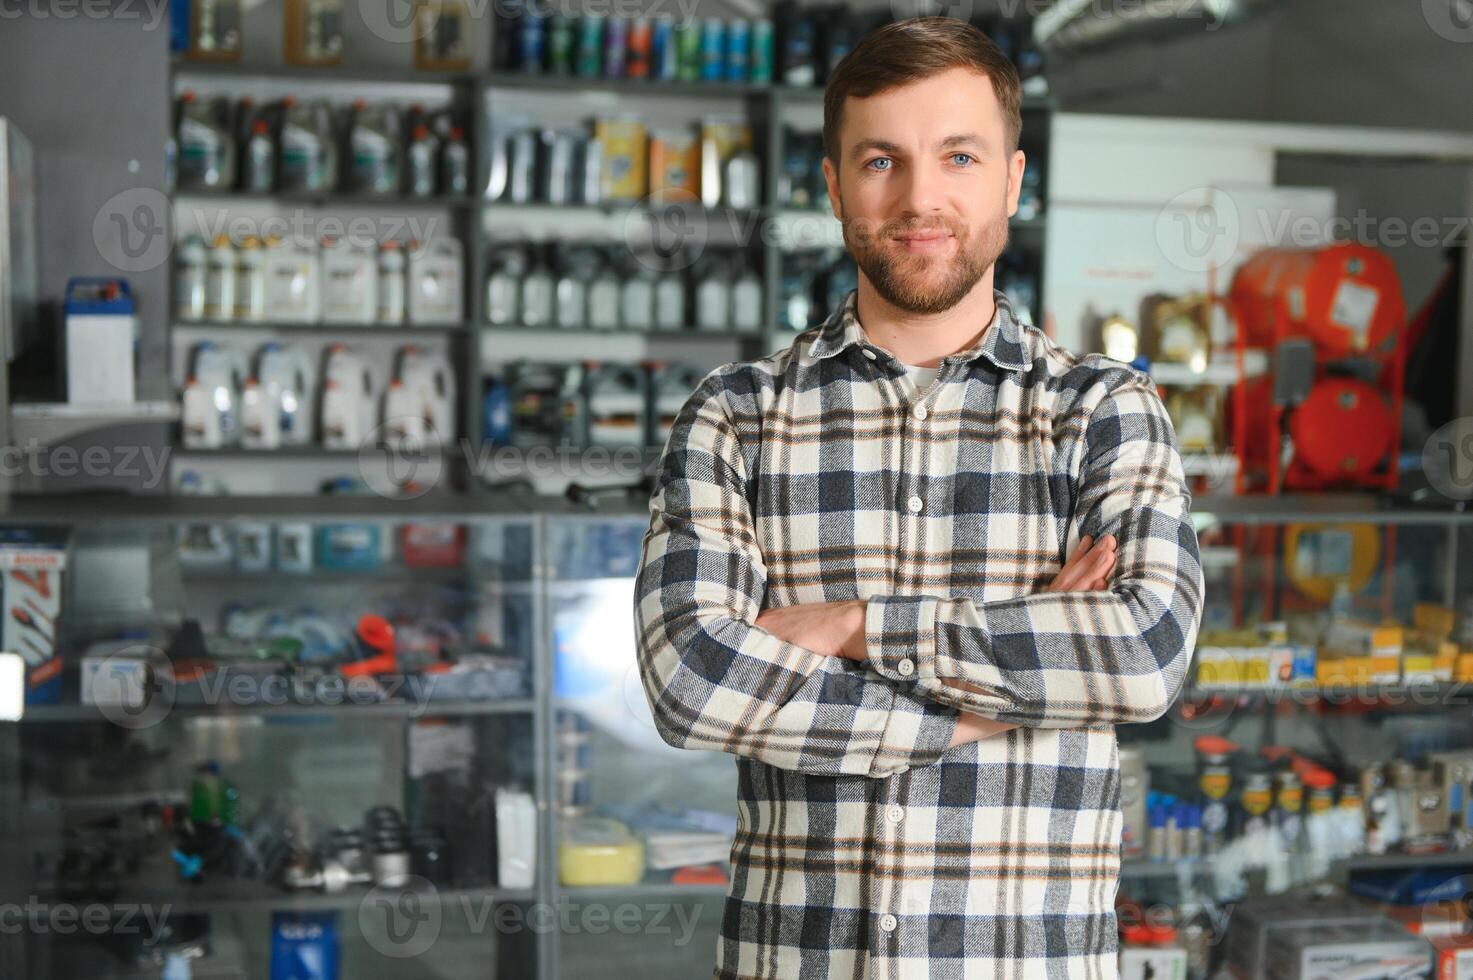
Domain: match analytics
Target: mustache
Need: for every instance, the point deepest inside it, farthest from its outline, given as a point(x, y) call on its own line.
point(868, 231)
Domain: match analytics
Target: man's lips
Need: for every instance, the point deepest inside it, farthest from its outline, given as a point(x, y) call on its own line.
point(923, 241)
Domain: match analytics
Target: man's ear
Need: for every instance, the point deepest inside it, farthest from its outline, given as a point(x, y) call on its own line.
point(1015, 180)
point(831, 178)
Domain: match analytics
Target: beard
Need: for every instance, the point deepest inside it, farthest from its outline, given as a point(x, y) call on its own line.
point(925, 284)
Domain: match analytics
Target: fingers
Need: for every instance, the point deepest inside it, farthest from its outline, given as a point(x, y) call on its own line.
point(1088, 568)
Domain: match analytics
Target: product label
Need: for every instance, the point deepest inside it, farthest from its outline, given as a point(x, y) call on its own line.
point(1354, 307)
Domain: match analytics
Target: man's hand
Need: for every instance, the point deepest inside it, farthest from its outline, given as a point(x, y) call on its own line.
point(1088, 569)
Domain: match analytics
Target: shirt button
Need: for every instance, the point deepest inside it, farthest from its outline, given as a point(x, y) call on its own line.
point(888, 922)
point(896, 812)
point(919, 412)
point(869, 353)
point(906, 667)
point(915, 505)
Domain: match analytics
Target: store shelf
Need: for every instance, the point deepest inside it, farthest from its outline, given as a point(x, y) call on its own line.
point(397, 331)
point(740, 217)
point(229, 198)
point(360, 75)
point(543, 82)
point(296, 452)
point(245, 895)
point(624, 333)
point(44, 423)
point(1145, 868)
point(1328, 507)
point(643, 889)
point(396, 710)
point(1441, 693)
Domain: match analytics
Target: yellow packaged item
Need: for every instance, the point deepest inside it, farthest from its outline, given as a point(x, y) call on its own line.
point(599, 851)
point(625, 149)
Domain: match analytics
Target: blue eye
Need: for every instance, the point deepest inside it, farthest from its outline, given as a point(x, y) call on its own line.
point(875, 164)
point(961, 159)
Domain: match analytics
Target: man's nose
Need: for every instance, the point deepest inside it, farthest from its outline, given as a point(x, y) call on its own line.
point(921, 192)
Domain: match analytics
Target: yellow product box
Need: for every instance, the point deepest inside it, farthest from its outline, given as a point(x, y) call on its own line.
point(625, 148)
point(1439, 621)
point(1428, 658)
point(1217, 665)
point(1366, 639)
point(1335, 668)
point(675, 167)
point(1253, 666)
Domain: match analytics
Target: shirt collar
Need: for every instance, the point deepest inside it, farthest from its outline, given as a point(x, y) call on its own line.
point(1002, 344)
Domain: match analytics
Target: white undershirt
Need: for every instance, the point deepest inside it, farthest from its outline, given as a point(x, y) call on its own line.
point(922, 376)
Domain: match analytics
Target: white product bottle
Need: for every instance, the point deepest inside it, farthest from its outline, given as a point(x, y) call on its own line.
point(349, 283)
point(285, 375)
point(404, 418)
point(436, 291)
point(189, 283)
point(260, 422)
point(746, 302)
point(391, 283)
point(292, 284)
point(220, 281)
point(200, 418)
point(347, 400)
point(713, 300)
point(603, 299)
point(430, 381)
point(219, 373)
point(250, 281)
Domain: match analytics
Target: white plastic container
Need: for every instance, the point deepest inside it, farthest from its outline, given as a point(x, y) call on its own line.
point(348, 403)
point(404, 420)
point(260, 421)
point(211, 406)
point(391, 283)
point(436, 282)
point(220, 281)
point(189, 279)
point(431, 384)
point(292, 283)
point(250, 281)
point(349, 283)
point(285, 376)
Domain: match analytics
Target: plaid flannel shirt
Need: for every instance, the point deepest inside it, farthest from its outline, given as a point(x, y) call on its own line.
point(866, 847)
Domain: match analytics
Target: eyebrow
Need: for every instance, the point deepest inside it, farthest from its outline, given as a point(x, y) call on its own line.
point(882, 146)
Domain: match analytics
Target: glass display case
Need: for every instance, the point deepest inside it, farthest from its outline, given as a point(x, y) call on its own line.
point(231, 753)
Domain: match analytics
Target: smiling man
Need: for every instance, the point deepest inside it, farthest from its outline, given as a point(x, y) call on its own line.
point(914, 569)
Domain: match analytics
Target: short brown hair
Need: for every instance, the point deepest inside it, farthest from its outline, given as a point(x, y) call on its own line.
point(909, 50)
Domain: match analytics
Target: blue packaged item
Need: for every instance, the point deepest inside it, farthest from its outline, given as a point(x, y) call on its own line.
point(532, 42)
point(304, 946)
point(663, 60)
point(496, 414)
point(713, 50)
point(350, 547)
point(1418, 887)
point(738, 48)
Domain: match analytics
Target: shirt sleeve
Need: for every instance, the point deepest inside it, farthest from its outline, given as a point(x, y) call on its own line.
point(716, 681)
point(1067, 659)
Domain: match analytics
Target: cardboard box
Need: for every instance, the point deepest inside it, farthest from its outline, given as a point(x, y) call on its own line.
point(32, 562)
point(1454, 957)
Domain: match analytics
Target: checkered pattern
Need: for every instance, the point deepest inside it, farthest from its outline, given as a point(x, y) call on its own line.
point(865, 847)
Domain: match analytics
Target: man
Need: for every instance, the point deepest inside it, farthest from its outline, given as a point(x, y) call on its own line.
point(855, 575)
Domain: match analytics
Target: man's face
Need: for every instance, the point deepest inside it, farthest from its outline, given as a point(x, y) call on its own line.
point(924, 186)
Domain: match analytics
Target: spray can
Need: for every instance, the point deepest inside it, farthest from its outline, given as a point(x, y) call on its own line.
point(713, 50)
point(561, 42)
point(688, 51)
point(664, 58)
point(738, 50)
point(616, 46)
point(641, 39)
point(589, 57)
point(761, 59)
point(533, 40)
